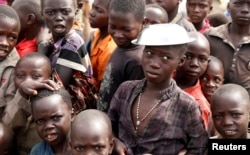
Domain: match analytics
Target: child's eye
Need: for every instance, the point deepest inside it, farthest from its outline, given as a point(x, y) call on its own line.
point(99, 148)
point(50, 12)
point(204, 78)
point(39, 121)
point(13, 38)
point(20, 76)
point(218, 80)
point(36, 76)
point(56, 118)
point(188, 57)
point(165, 57)
point(217, 117)
point(66, 11)
point(236, 115)
point(203, 60)
point(79, 148)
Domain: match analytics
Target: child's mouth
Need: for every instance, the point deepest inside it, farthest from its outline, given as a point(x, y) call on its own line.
point(51, 137)
point(59, 28)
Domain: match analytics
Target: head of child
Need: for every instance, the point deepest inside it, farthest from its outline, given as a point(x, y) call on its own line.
point(33, 66)
point(165, 45)
point(59, 16)
point(155, 14)
point(217, 19)
point(237, 8)
point(213, 77)
point(29, 12)
point(197, 10)
point(9, 30)
point(197, 56)
point(171, 7)
point(126, 20)
point(51, 111)
point(6, 137)
point(91, 133)
point(99, 14)
point(230, 107)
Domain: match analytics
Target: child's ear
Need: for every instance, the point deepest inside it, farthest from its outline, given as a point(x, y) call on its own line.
point(111, 145)
point(31, 19)
point(182, 61)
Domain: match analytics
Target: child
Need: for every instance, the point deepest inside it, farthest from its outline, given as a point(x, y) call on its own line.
point(154, 115)
point(187, 76)
point(213, 77)
point(217, 19)
point(17, 114)
point(197, 11)
point(68, 56)
point(155, 14)
point(125, 22)
point(6, 138)
point(171, 7)
point(231, 44)
point(29, 12)
point(102, 44)
point(51, 111)
point(9, 30)
point(91, 133)
point(230, 107)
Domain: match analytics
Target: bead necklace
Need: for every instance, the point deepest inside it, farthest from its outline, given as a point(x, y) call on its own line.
point(138, 122)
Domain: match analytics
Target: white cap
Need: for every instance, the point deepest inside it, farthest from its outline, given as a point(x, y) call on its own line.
point(163, 34)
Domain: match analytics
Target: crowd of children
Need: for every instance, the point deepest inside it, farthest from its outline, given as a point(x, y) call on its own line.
point(167, 81)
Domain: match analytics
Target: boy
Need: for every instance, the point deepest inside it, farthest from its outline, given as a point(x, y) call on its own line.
point(125, 22)
point(102, 44)
point(68, 56)
point(155, 14)
point(197, 11)
point(171, 7)
point(154, 115)
point(17, 114)
point(51, 111)
point(9, 30)
point(29, 12)
point(6, 139)
point(187, 75)
point(230, 107)
point(91, 133)
point(213, 77)
point(231, 44)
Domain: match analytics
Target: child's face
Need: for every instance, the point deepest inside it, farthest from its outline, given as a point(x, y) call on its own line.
point(196, 61)
point(37, 70)
point(59, 16)
point(197, 10)
point(230, 115)
point(53, 119)
point(154, 16)
point(9, 30)
point(99, 14)
point(123, 28)
point(168, 5)
point(212, 79)
point(92, 139)
point(159, 62)
point(237, 9)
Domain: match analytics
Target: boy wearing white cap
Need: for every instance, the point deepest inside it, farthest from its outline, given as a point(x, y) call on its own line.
point(154, 115)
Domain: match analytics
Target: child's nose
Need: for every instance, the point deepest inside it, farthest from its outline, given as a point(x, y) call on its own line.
point(4, 41)
point(227, 120)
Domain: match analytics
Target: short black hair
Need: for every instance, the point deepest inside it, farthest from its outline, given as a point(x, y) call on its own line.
point(136, 7)
point(74, 3)
point(8, 12)
point(31, 7)
point(42, 93)
point(35, 56)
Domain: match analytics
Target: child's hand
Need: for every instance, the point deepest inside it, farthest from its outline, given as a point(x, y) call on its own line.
point(29, 87)
point(119, 148)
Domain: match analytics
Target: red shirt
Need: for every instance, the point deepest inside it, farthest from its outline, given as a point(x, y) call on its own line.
point(196, 92)
point(26, 46)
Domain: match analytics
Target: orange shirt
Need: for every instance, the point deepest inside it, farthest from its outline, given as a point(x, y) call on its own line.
point(100, 53)
point(196, 92)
